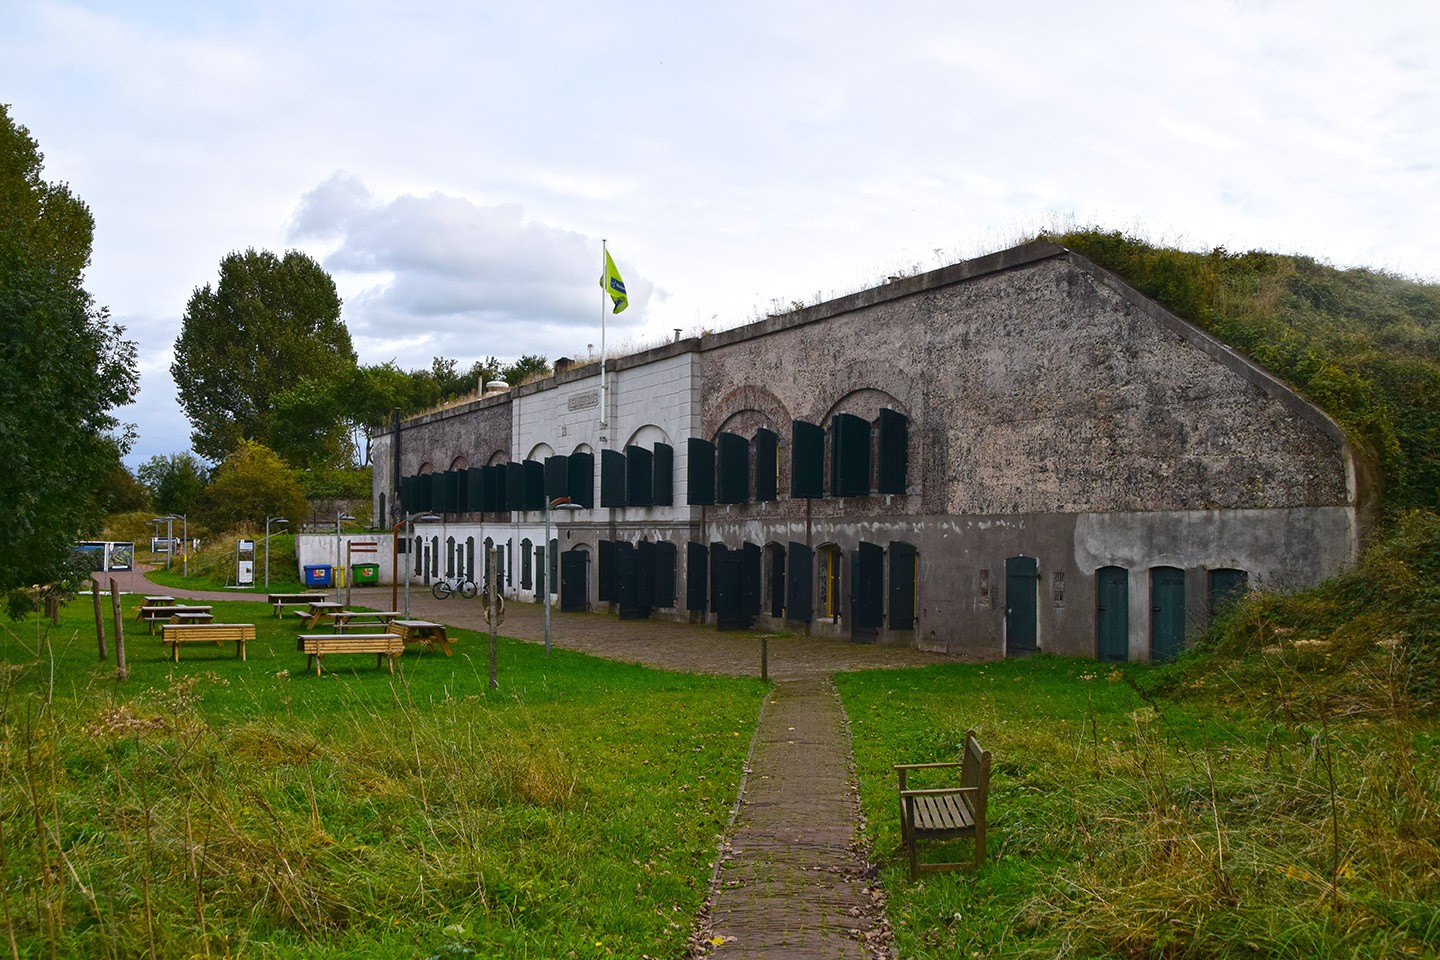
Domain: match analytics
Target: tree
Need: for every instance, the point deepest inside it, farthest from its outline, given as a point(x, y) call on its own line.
point(120, 491)
point(175, 481)
point(251, 484)
point(64, 366)
point(269, 323)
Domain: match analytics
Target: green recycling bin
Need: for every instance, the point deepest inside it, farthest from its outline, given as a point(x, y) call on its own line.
point(365, 574)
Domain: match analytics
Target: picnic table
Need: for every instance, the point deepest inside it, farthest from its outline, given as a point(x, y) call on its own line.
point(366, 618)
point(192, 616)
point(319, 609)
point(153, 614)
point(158, 601)
point(281, 600)
point(423, 631)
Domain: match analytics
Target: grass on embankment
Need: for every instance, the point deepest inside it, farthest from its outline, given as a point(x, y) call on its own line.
point(214, 807)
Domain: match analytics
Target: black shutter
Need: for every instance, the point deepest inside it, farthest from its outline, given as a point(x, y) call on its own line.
point(732, 458)
point(527, 561)
point(894, 429)
point(902, 586)
point(767, 455)
point(612, 478)
point(475, 489)
point(534, 485)
point(554, 580)
point(492, 488)
point(407, 496)
point(800, 583)
point(454, 490)
point(605, 571)
point(627, 583)
point(581, 481)
point(849, 456)
point(717, 556)
point(664, 484)
point(639, 477)
point(557, 477)
point(665, 554)
point(645, 587)
point(697, 576)
point(699, 472)
point(438, 498)
point(515, 486)
point(750, 576)
point(807, 460)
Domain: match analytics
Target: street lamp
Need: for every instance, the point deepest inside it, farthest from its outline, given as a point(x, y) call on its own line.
point(268, 521)
point(559, 503)
point(412, 519)
point(339, 519)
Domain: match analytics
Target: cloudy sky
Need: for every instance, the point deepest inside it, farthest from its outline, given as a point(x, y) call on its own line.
point(455, 165)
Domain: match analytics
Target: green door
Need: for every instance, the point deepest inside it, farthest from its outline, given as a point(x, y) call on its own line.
point(1112, 613)
point(1226, 586)
point(1022, 579)
point(1167, 613)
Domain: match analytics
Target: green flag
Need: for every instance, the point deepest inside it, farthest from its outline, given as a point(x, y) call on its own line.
point(613, 285)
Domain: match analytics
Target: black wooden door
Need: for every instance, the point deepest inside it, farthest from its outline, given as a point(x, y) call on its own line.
point(799, 583)
point(750, 559)
point(867, 592)
point(902, 585)
point(728, 569)
point(697, 577)
point(574, 580)
point(776, 581)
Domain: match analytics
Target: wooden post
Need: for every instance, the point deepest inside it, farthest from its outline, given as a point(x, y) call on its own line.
point(99, 618)
point(120, 671)
point(492, 615)
point(765, 658)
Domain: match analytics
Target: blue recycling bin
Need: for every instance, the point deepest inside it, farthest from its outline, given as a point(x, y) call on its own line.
point(319, 575)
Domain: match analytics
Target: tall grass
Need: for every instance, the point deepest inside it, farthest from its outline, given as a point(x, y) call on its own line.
point(220, 808)
point(1126, 824)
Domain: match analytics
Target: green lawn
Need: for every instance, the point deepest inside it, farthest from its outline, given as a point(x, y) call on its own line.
point(214, 807)
point(1132, 826)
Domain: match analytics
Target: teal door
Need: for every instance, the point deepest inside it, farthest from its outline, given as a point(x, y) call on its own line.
point(1112, 614)
point(1167, 613)
point(1226, 586)
point(1022, 579)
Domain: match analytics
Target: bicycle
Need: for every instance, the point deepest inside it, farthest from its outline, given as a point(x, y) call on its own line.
point(446, 586)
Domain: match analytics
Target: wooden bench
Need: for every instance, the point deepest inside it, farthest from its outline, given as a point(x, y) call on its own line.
point(947, 813)
point(280, 600)
point(160, 614)
point(363, 618)
point(385, 646)
point(174, 634)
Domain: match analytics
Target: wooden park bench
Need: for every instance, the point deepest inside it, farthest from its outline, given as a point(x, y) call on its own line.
point(947, 813)
point(160, 614)
point(174, 634)
point(280, 600)
point(363, 618)
point(385, 646)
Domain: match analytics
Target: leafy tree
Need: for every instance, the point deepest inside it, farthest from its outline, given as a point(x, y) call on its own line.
point(175, 481)
point(64, 366)
point(530, 365)
point(307, 426)
point(120, 491)
point(251, 484)
point(269, 323)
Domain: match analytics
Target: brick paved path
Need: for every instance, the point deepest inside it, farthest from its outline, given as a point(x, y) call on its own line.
point(791, 882)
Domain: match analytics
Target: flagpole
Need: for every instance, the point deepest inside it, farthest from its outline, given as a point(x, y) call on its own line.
point(604, 296)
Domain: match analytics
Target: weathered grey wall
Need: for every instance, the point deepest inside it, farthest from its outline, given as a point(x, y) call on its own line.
point(1054, 414)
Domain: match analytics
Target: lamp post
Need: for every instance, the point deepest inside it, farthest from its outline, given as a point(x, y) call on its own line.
point(269, 520)
point(412, 519)
point(339, 519)
point(559, 503)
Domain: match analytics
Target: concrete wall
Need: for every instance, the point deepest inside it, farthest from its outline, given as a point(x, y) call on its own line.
point(1054, 414)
